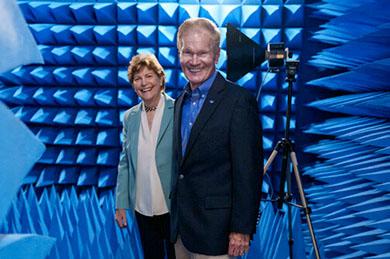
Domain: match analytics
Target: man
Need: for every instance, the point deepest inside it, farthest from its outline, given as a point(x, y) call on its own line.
point(216, 186)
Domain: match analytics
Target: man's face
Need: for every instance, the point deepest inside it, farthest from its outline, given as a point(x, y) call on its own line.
point(197, 56)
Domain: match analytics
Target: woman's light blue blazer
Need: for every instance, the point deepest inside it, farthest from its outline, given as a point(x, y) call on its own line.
point(125, 187)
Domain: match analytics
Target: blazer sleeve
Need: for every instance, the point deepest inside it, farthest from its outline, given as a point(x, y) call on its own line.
point(122, 183)
point(247, 164)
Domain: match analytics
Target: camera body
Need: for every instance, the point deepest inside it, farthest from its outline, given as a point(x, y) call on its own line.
point(277, 56)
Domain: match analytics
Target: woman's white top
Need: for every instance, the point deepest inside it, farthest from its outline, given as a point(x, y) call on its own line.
point(149, 195)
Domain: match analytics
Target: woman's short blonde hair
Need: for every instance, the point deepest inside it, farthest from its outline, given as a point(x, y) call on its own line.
point(198, 24)
point(145, 60)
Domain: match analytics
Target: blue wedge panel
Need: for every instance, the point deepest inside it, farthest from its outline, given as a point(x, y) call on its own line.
point(167, 56)
point(127, 34)
point(25, 8)
point(42, 75)
point(269, 80)
point(83, 76)
point(125, 54)
point(168, 13)
point(268, 102)
point(62, 55)
point(268, 143)
point(46, 54)
point(83, 13)
point(63, 76)
point(271, 36)
point(60, 34)
point(105, 56)
point(293, 38)
point(88, 176)
point(272, 15)
point(105, 34)
point(147, 13)
point(105, 97)
point(46, 135)
point(188, 11)
point(62, 13)
point(249, 81)
point(107, 138)
point(48, 176)
point(107, 178)
point(83, 34)
point(87, 156)
point(123, 80)
point(24, 113)
point(170, 76)
point(63, 96)
point(105, 13)
point(251, 15)
point(221, 14)
point(167, 35)
point(222, 62)
point(65, 137)
point(147, 35)
point(42, 33)
point(85, 117)
point(86, 137)
point(126, 97)
point(253, 33)
point(294, 15)
point(21, 95)
point(64, 116)
point(82, 55)
point(127, 13)
point(104, 77)
point(268, 123)
point(107, 118)
point(108, 157)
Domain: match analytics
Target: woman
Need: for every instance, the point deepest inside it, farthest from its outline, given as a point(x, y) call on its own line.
point(144, 171)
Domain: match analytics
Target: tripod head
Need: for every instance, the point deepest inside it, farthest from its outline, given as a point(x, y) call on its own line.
point(291, 70)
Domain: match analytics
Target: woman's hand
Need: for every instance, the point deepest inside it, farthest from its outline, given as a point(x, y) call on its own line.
point(120, 217)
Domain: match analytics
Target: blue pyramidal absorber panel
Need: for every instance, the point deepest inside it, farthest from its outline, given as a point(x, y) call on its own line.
point(25, 246)
point(82, 225)
point(354, 168)
point(20, 149)
point(75, 102)
point(16, 44)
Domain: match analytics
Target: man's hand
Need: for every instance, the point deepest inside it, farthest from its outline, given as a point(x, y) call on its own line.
point(120, 217)
point(238, 244)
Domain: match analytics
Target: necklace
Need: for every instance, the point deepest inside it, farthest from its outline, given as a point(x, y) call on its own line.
point(150, 108)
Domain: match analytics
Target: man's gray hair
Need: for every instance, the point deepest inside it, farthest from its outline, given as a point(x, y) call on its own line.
point(198, 24)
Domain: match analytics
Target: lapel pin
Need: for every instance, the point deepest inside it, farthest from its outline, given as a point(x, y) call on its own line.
point(211, 101)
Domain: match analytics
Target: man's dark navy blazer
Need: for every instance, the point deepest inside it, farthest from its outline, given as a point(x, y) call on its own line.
point(216, 186)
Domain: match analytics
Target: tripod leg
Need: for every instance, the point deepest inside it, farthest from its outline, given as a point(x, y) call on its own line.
point(304, 203)
point(289, 212)
point(283, 171)
point(270, 160)
point(285, 196)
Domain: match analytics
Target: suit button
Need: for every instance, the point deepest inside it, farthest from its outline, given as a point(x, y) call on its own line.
point(181, 176)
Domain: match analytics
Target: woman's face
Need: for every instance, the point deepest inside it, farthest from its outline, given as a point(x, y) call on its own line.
point(148, 85)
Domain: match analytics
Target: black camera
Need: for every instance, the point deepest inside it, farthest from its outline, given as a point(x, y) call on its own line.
point(276, 55)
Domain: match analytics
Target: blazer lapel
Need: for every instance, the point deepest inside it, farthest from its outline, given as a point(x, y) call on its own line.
point(177, 127)
point(212, 101)
point(166, 118)
point(134, 122)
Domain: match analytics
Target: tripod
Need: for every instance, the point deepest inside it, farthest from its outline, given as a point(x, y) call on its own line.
point(288, 152)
